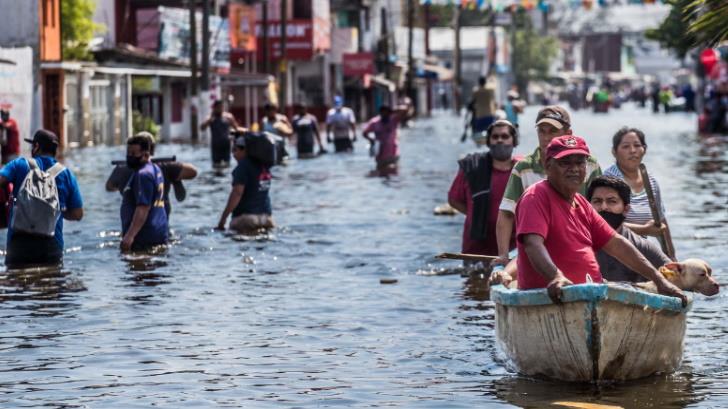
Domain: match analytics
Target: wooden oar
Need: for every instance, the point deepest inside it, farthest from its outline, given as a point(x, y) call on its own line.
point(462, 256)
point(665, 238)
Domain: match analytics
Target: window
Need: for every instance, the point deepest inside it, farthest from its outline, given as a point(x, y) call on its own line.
point(302, 9)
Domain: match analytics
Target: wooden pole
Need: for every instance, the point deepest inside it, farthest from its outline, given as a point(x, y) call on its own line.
point(427, 56)
point(205, 80)
point(266, 44)
point(194, 129)
point(410, 77)
point(665, 238)
point(282, 68)
point(457, 83)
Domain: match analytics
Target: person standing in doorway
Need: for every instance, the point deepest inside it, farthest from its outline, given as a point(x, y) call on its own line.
point(341, 123)
point(220, 123)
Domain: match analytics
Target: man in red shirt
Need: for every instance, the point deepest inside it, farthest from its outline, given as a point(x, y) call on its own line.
point(558, 232)
point(479, 185)
point(9, 136)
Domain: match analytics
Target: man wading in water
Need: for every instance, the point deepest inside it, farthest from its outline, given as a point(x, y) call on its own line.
point(479, 185)
point(220, 123)
point(143, 217)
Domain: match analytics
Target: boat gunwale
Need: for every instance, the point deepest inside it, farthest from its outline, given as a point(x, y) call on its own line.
point(621, 293)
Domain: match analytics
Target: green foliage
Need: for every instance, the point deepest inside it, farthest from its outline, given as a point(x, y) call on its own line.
point(674, 33)
point(532, 52)
point(141, 123)
point(441, 16)
point(709, 23)
point(78, 28)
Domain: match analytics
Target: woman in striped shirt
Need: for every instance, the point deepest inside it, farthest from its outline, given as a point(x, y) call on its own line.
point(628, 148)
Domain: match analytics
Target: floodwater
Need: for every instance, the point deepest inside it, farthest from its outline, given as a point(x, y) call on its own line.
point(298, 318)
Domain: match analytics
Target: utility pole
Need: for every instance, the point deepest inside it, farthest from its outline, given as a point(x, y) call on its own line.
point(456, 60)
point(410, 78)
point(427, 56)
point(266, 44)
point(194, 102)
point(283, 62)
point(205, 77)
point(385, 38)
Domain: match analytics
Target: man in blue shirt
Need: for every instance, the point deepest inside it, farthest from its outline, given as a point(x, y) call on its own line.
point(249, 200)
point(143, 218)
point(25, 249)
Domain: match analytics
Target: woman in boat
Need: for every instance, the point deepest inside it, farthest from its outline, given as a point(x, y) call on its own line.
point(629, 148)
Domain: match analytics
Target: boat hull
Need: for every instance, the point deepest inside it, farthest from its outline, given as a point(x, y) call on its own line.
point(599, 332)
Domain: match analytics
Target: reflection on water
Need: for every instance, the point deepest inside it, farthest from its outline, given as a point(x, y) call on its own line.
point(662, 391)
point(297, 317)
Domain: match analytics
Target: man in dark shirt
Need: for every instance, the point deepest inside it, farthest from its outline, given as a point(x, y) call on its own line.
point(143, 217)
point(221, 123)
point(610, 197)
point(249, 200)
point(174, 173)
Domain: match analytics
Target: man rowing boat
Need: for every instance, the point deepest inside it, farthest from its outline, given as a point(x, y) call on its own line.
point(558, 232)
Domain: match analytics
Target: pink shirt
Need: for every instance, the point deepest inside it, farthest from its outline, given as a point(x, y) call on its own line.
point(460, 192)
point(572, 234)
point(386, 134)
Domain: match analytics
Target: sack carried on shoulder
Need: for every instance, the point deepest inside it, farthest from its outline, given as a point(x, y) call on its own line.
point(37, 207)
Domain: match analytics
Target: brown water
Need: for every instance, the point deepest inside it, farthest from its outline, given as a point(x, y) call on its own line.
point(299, 318)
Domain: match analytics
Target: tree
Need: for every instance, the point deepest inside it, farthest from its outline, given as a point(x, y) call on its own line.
point(78, 28)
point(532, 52)
point(673, 32)
point(692, 23)
point(709, 24)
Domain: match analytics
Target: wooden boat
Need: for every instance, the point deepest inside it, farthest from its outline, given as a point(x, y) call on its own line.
point(599, 332)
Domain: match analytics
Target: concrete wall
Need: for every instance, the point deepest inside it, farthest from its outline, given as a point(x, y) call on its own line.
point(23, 28)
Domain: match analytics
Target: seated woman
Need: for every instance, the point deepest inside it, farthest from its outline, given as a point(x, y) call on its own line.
point(629, 148)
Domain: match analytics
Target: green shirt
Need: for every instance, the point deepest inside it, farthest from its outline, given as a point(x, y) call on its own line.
point(530, 170)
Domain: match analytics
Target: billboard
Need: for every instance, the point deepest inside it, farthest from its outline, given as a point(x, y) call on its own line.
point(174, 36)
point(242, 27)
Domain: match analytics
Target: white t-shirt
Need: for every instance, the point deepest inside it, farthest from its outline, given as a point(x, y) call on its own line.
point(340, 120)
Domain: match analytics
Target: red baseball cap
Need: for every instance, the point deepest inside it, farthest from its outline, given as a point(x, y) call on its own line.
point(566, 145)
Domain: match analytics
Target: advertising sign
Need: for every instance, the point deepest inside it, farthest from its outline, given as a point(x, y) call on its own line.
point(242, 27)
point(174, 37)
point(358, 64)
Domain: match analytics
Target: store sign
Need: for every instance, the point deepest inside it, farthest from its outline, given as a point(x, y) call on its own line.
point(299, 39)
point(358, 64)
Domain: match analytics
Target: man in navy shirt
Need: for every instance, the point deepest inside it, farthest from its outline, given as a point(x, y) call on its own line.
point(25, 249)
point(249, 200)
point(143, 218)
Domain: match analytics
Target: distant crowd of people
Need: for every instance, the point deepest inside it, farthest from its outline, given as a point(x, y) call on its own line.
point(44, 192)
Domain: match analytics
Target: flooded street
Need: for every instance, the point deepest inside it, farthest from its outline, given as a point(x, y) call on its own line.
point(299, 318)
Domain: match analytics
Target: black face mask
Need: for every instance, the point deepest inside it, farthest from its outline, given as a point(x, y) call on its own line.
point(501, 151)
point(613, 219)
point(133, 162)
